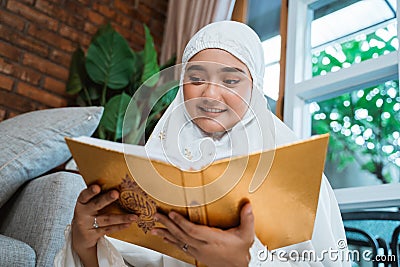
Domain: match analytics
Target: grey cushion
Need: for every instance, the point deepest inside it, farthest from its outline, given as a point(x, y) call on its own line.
point(33, 143)
point(39, 213)
point(15, 253)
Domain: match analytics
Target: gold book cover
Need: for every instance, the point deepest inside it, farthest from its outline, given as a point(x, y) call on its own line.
point(282, 185)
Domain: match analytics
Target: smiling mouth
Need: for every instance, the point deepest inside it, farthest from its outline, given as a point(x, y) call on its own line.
point(212, 110)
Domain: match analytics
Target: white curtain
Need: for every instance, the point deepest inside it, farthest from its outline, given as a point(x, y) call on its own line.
point(185, 18)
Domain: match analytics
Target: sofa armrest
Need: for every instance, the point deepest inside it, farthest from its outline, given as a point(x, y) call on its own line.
point(16, 253)
point(39, 213)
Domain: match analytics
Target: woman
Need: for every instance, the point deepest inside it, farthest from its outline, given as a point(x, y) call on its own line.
point(219, 111)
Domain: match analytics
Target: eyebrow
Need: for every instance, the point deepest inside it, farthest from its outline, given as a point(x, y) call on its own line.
point(196, 67)
point(232, 69)
point(225, 69)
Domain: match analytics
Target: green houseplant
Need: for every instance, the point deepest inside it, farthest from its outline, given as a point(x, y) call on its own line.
point(110, 74)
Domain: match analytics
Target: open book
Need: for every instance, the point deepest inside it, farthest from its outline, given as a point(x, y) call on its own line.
point(282, 185)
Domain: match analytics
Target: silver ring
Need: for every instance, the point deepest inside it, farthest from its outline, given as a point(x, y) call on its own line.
point(185, 247)
point(95, 224)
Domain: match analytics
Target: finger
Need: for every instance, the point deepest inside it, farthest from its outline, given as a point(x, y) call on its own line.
point(115, 219)
point(164, 233)
point(104, 200)
point(177, 232)
point(112, 228)
point(246, 227)
point(87, 194)
point(189, 250)
point(199, 232)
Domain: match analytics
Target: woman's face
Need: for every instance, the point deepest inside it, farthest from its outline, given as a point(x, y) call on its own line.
point(217, 90)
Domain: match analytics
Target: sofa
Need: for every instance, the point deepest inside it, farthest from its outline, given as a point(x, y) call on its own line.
point(36, 202)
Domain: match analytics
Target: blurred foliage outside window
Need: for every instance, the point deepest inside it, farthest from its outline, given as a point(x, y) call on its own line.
point(364, 124)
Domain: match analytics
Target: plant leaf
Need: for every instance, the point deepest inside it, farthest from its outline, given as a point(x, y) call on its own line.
point(163, 95)
point(109, 59)
point(132, 132)
point(138, 71)
point(369, 166)
point(92, 94)
point(114, 112)
point(77, 73)
point(151, 68)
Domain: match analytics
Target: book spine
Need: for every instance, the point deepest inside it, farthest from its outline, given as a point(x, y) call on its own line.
point(195, 197)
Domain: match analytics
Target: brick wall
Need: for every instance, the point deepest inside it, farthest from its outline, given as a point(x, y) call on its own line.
point(37, 38)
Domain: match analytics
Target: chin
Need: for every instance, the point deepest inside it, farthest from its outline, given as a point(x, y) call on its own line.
point(210, 127)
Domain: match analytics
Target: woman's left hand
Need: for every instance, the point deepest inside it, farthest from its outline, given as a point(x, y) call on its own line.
point(210, 246)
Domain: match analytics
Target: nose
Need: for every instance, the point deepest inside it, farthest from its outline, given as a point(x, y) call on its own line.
point(212, 91)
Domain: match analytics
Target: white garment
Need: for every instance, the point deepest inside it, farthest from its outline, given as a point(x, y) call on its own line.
point(259, 127)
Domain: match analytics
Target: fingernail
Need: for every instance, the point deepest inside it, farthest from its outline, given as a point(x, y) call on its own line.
point(94, 189)
point(249, 210)
point(132, 217)
point(153, 232)
point(172, 215)
point(114, 195)
point(156, 219)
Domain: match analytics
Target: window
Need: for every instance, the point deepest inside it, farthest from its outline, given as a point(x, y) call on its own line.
point(365, 134)
point(264, 19)
point(272, 53)
point(343, 53)
point(342, 77)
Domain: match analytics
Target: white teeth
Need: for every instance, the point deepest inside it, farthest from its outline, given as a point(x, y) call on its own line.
point(214, 110)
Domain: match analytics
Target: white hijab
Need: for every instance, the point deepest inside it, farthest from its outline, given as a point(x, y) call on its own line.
point(183, 143)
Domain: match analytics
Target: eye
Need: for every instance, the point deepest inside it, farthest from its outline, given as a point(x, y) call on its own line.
point(196, 80)
point(231, 81)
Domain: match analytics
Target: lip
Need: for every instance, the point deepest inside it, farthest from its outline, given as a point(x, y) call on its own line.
point(211, 112)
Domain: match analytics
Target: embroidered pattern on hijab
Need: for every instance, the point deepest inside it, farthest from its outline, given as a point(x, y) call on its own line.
point(183, 143)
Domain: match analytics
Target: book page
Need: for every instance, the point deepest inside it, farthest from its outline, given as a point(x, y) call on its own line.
point(136, 150)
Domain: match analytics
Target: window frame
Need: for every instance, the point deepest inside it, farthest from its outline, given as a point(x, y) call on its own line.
point(301, 88)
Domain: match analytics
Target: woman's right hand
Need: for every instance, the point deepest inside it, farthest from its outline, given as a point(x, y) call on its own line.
point(84, 234)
